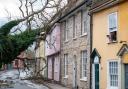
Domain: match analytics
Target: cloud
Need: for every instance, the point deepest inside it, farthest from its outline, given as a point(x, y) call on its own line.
point(10, 5)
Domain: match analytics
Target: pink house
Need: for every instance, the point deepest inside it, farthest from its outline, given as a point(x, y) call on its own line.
point(52, 52)
point(19, 63)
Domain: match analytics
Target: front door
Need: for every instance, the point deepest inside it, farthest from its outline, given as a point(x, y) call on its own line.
point(53, 59)
point(126, 76)
point(95, 73)
point(74, 73)
point(96, 76)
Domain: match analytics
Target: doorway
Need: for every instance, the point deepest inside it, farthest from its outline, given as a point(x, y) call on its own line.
point(126, 76)
point(95, 69)
point(74, 73)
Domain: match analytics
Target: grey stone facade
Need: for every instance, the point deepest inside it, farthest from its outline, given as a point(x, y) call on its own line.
point(74, 45)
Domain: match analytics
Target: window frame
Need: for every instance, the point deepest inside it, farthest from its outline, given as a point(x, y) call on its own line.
point(65, 65)
point(74, 26)
point(112, 30)
point(66, 30)
point(116, 74)
point(16, 62)
point(84, 58)
point(83, 23)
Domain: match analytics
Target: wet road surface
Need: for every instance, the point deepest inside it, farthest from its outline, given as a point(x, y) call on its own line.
point(10, 80)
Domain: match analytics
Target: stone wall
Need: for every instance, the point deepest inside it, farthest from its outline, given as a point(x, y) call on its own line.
point(74, 46)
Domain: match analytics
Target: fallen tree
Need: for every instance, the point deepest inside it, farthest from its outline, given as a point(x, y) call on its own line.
point(12, 45)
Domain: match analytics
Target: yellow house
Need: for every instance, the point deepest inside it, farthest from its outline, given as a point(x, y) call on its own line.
point(40, 55)
point(109, 44)
point(43, 63)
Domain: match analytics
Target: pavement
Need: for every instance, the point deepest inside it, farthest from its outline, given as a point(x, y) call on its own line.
point(55, 86)
point(12, 75)
point(17, 83)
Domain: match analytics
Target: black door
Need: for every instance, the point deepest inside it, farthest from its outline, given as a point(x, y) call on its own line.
point(126, 76)
point(53, 61)
point(96, 76)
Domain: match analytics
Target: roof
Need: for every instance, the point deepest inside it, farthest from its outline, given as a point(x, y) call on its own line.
point(73, 7)
point(94, 53)
point(123, 50)
point(98, 5)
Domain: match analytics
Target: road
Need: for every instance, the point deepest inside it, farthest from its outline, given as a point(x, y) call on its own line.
point(11, 81)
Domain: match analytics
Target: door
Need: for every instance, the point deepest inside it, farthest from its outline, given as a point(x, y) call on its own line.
point(75, 73)
point(96, 76)
point(49, 68)
point(57, 69)
point(53, 67)
point(95, 73)
point(126, 76)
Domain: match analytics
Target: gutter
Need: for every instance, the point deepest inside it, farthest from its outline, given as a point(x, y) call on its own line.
point(105, 5)
point(91, 42)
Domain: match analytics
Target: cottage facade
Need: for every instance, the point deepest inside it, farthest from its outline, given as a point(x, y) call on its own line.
point(52, 53)
point(109, 56)
point(75, 47)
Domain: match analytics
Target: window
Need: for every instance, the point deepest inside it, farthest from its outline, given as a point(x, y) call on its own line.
point(65, 65)
point(66, 30)
point(113, 74)
point(84, 63)
point(74, 27)
point(85, 29)
point(112, 27)
point(84, 19)
point(16, 63)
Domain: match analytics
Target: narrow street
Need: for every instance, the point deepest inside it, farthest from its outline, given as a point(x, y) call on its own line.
point(10, 80)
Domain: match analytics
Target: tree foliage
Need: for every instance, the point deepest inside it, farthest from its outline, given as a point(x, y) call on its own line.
point(12, 45)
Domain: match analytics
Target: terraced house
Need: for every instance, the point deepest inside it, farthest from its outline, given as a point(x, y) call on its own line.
point(110, 44)
point(75, 45)
point(52, 53)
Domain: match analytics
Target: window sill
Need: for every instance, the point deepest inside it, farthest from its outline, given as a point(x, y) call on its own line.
point(65, 77)
point(112, 42)
point(74, 38)
point(66, 41)
point(85, 34)
point(83, 79)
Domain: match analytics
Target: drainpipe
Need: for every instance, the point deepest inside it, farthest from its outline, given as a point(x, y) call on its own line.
point(91, 45)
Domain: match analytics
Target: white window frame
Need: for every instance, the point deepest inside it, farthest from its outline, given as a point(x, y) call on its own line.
point(66, 30)
point(111, 14)
point(108, 75)
point(74, 27)
point(84, 27)
point(84, 77)
point(65, 65)
point(64, 26)
point(114, 29)
point(84, 23)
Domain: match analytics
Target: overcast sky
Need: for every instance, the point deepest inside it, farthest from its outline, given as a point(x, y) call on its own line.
point(11, 6)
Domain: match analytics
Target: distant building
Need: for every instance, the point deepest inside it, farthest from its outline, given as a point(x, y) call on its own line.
point(18, 63)
point(25, 58)
point(30, 61)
